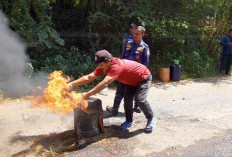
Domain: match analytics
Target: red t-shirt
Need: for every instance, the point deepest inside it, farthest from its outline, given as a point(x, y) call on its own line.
point(125, 71)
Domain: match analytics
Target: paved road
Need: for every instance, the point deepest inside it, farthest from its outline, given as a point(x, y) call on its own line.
point(194, 120)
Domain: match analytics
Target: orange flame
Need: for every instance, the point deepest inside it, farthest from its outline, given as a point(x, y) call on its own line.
point(56, 96)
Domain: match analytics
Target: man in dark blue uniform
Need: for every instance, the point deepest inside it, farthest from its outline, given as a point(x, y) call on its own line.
point(128, 37)
point(226, 58)
point(136, 50)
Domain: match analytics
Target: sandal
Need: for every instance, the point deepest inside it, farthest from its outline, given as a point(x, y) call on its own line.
point(126, 126)
point(151, 125)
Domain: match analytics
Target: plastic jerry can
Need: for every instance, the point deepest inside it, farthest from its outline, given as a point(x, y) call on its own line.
point(164, 74)
point(175, 72)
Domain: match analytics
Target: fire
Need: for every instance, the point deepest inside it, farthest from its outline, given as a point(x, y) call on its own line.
point(56, 96)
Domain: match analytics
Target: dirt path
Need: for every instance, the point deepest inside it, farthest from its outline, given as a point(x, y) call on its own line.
point(194, 119)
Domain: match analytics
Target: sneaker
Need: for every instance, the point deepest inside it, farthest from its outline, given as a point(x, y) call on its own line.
point(112, 110)
point(137, 110)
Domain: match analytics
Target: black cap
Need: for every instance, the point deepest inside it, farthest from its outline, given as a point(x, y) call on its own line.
point(102, 56)
point(133, 25)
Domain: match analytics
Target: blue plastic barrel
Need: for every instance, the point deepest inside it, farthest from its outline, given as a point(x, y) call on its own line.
point(175, 72)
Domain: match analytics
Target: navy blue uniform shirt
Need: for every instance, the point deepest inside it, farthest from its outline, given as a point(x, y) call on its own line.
point(127, 37)
point(227, 48)
point(137, 52)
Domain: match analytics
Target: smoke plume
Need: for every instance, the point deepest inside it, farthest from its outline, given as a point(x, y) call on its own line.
point(13, 63)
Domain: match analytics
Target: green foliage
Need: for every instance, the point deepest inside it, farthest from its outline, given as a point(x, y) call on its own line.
point(176, 29)
point(198, 64)
point(72, 62)
point(49, 36)
point(31, 20)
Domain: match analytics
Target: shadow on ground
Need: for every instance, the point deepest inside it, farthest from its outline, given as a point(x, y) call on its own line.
point(56, 144)
point(108, 115)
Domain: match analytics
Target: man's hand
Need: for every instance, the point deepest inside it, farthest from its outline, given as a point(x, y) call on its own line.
point(85, 95)
point(70, 85)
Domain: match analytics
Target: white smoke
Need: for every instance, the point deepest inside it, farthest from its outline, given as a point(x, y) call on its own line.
point(13, 62)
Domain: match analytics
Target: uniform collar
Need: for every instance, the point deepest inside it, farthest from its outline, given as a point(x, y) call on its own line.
point(141, 42)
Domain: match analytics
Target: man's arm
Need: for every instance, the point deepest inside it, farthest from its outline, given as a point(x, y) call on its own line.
point(126, 50)
point(123, 50)
point(146, 57)
point(83, 80)
point(124, 40)
point(103, 84)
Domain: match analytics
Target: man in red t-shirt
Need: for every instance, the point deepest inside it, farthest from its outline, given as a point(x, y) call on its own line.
point(137, 78)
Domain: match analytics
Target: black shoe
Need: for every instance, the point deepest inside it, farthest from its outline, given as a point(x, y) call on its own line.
point(228, 74)
point(137, 110)
point(112, 110)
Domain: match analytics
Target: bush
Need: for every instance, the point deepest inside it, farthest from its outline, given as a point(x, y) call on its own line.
point(72, 63)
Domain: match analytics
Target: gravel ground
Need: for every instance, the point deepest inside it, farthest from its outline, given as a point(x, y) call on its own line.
point(194, 120)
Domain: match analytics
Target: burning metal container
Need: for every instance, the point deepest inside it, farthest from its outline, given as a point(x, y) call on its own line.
point(91, 123)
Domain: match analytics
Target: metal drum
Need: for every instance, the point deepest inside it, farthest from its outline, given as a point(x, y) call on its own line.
point(89, 124)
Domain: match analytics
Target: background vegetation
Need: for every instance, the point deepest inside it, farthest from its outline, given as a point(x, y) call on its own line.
point(188, 30)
